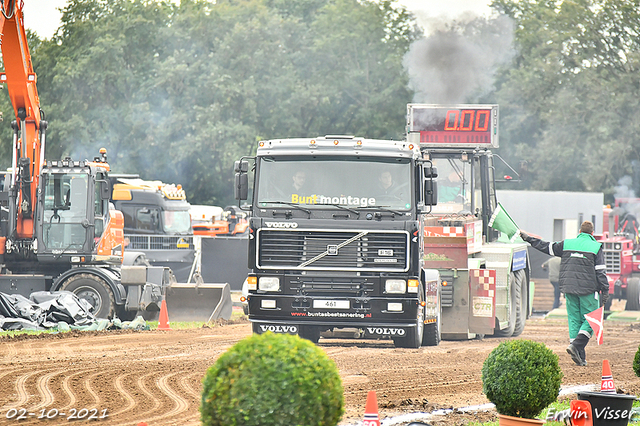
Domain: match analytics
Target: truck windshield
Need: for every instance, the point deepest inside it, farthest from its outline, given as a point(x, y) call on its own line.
point(65, 208)
point(454, 190)
point(176, 221)
point(345, 181)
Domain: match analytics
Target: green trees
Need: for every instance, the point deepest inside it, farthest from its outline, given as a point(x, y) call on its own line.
point(569, 102)
point(178, 92)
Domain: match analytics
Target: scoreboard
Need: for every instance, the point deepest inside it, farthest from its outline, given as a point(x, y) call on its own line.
point(463, 126)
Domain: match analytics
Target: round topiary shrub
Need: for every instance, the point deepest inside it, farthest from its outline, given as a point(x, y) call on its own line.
point(272, 380)
point(521, 378)
point(636, 363)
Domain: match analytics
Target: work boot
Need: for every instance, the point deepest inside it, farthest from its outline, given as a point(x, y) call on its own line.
point(576, 349)
point(575, 355)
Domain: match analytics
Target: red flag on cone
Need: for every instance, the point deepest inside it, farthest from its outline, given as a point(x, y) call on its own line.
point(596, 320)
point(163, 323)
point(371, 410)
point(607, 378)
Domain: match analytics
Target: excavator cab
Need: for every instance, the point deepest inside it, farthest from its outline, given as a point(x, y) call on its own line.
point(73, 214)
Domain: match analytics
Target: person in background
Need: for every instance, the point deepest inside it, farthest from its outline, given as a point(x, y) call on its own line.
point(583, 280)
point(449, 190)
point(553, 266)
point(299, 178)
point(385, 181)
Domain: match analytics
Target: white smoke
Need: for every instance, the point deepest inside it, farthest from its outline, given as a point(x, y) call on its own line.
point(459, 60)
point(624, 189)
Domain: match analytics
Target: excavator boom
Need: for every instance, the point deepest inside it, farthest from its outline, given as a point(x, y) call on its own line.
point(28, 141)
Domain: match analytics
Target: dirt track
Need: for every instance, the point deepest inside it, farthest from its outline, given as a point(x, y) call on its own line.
point(155, 376)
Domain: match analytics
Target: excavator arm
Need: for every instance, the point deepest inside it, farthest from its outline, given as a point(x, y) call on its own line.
point(29, 126)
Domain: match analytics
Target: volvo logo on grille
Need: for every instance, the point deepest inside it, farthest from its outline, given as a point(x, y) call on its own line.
point(332, 250)
point(281, 224)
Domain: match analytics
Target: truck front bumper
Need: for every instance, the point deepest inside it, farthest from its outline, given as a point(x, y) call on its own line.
point(377, 316)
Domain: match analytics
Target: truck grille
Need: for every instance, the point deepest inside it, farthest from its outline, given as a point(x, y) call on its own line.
point(331, 250)
point(331, 285)
point(612, 261)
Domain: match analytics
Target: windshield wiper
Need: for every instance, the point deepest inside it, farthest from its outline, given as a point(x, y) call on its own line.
point(342, 207)
point(383, 208)
point(295, 205)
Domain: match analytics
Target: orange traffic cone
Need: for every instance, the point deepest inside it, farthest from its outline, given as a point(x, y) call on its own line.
point(580, 412)
point(607, 378)
point(371, 411)
point(163, 323)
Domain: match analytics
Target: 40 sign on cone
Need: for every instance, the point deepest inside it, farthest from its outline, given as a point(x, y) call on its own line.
point(371, 411)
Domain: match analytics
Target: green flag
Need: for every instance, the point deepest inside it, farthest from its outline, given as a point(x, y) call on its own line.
point(501, 221)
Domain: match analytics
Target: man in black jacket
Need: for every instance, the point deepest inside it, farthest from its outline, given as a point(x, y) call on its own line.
point(583, 280)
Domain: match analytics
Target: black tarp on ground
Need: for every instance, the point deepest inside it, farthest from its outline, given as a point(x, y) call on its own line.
point(43, 310)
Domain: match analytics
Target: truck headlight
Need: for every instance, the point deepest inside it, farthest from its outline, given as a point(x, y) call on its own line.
point(269, 284)
point(413, 286)
point(395, 286)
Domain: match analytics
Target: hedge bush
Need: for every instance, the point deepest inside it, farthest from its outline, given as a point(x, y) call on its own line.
point(636, 363)
point(272, 380)
point(521, 378)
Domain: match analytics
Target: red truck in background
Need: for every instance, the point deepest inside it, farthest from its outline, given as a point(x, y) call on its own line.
point(621, 245)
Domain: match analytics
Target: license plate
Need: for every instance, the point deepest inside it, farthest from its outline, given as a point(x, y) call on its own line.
point(331, 304)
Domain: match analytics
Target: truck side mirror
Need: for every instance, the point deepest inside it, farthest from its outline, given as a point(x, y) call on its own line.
point(430, 185)
point(241, 188)
point(241, 166)
point(430, 192)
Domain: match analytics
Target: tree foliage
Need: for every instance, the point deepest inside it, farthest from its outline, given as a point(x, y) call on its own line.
point(570, 99)
point(178, 92)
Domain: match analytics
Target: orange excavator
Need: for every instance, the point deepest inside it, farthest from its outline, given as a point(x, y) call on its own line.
point(57, 231)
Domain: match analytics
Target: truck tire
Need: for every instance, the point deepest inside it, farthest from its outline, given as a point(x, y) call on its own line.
point(94, 290)
point(522, 295)
point(255, 328)
point(413, 339)
point(633, 294)
point(431, 333)
point(310, 333)
point(508, 331)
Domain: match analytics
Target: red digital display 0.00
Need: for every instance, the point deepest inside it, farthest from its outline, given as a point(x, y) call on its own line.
point(467, 120)
point(447, 126)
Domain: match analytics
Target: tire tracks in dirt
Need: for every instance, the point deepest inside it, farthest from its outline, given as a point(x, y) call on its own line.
point(47, 396)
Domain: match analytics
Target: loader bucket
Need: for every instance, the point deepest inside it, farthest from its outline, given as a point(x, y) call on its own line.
point(198, 302)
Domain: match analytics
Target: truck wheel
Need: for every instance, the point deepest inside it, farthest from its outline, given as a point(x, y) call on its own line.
point(255, 328)
point(508, 332)
point(522, 294)
point(310, 333)
point(431, 336)
point(633, 295)
point(413, 339)
point(95, 291)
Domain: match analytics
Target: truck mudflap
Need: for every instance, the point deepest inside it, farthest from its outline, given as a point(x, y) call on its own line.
point(482, 312)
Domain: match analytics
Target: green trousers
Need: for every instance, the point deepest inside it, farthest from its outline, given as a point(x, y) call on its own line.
point(577, 307)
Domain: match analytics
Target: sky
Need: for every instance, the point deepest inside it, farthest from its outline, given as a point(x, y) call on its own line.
point(43, 17)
